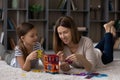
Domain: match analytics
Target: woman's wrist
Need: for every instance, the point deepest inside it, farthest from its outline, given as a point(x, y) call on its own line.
point(64, 66)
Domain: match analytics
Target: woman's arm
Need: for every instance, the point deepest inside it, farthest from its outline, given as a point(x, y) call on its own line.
point(63, 65)
point(86, 64)
point(80, 60)
point(85, 56)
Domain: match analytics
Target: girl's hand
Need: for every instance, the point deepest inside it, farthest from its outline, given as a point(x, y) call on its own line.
point(33, 55)
point(61, 56)
point(64, 66)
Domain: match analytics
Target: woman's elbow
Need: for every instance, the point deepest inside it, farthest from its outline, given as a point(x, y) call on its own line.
point(89, 68)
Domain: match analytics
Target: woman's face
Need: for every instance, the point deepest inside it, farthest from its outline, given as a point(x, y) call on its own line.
point(30, 38)
point(64, 34)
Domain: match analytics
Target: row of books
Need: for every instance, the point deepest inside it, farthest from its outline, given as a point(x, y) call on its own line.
point(113, 5)
point(63, 5)
point(12, 26)
point(11, 41)
point(11, 23)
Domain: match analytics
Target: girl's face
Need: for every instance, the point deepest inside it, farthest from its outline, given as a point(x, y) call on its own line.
point(64, 34)
point(30, 38)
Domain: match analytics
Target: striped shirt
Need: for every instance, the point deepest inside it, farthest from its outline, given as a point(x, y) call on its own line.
point(18, 52)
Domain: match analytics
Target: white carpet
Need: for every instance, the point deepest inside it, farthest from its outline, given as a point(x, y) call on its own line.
point(9, 73)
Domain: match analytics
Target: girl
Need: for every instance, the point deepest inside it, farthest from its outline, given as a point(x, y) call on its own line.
point(26, 50)
point(78, 51)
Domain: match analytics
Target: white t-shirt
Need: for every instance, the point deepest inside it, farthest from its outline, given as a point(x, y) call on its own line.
point(86, 48)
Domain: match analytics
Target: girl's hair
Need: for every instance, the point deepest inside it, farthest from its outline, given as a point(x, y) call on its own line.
point(67, 22)
point(22, 30)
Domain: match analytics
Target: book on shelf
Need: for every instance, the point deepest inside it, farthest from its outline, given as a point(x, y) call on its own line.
point(110, 5)
point(74, 8)
point(116, 5)
point(62, 4)
point(41, 40)
point(81, 28)
point(1, 14)
point(12, 43)
point(13, 22)
point(1, 37)
point(10, 24)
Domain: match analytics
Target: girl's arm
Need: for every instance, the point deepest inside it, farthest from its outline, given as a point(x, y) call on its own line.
point(26, 64)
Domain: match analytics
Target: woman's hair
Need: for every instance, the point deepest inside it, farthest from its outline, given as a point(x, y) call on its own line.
point(67, 22)
point(22, 30)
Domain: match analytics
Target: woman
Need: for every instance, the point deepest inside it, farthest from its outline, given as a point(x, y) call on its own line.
point(78, 51)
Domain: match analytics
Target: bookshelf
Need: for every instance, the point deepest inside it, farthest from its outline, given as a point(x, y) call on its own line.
point(15, 12)
point(89, 15)
point(41, 21)
point(81, 14)
point(54, 12)
point(98, 16)
point(115, 14)
point(78, 9)
point(18, 11)
point(100, 13)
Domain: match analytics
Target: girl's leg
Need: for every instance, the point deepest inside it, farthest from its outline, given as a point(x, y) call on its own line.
point(8, 57)
point(2, 51)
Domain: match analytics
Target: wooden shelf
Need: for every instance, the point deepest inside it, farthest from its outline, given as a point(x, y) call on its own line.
point(83, 16)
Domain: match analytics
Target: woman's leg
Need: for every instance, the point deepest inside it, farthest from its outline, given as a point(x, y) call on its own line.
point(100, 44)
point(106, 47)
point(107, 43)
point(107, 56)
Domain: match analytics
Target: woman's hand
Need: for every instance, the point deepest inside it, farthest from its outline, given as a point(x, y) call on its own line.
point(64, 66)
point(61, 56)
point(74, 58)
point(78, 58)
point(33, 55)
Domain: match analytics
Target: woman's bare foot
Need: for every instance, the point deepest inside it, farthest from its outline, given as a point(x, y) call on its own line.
point(108, 26)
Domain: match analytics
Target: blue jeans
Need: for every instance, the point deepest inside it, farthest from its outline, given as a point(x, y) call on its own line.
point(106, 47)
